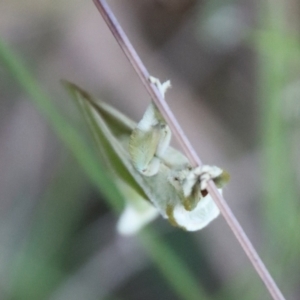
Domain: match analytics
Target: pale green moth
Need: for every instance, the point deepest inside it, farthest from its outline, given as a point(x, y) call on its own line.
point(153, 177)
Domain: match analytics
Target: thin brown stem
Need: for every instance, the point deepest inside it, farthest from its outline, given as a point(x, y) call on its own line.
point(142, 72)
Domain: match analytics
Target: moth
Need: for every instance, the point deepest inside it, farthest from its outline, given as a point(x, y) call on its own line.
point(153, 177)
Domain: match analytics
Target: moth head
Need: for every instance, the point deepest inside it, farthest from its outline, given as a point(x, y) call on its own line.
point(178, 176)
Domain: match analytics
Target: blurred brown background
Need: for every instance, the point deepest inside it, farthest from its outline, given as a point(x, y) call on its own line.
point(57, 235)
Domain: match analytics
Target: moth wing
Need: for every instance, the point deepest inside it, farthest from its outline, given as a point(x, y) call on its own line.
point(137, 213)
point(107, 125)
point(142, 149)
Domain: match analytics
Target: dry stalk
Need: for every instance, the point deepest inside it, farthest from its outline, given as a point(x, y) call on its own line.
point(231, 220)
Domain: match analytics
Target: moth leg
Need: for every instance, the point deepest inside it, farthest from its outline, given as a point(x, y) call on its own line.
point(162, 87)
point(164, 128)
point(186, 183)
point(142, 149)
point(164, 141)
point(191, 183)
point(151, 137)
point(206, 173)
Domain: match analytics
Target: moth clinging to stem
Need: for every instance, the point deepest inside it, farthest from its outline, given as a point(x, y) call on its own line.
point(153, 176)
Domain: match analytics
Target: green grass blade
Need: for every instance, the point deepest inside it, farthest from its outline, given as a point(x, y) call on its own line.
point(62, 128)
point(172, 267)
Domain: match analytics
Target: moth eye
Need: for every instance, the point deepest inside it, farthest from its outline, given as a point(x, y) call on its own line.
point(204, 193)
point(176, 178)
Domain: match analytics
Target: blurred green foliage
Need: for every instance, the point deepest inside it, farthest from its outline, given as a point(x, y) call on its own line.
point(40, 262)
